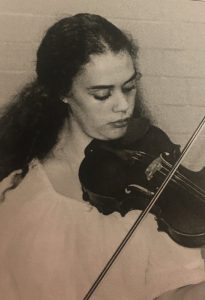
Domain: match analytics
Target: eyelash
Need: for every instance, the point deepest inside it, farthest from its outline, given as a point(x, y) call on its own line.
point(125, 90)
point(129, 89)
point(102, 97)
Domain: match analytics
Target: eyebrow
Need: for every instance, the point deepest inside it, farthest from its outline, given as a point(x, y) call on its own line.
point(96, 87)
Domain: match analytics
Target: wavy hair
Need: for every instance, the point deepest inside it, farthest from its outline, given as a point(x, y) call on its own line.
point(31, 123)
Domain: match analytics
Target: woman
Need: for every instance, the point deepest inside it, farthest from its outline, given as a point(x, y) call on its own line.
point(53, 244)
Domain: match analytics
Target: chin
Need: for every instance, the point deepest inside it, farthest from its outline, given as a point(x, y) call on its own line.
point(116, 134)
point(111, 134)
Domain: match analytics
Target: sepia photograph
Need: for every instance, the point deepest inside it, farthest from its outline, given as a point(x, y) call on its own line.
point(102, 138)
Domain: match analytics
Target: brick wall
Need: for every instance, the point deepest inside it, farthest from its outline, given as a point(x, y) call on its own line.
point(172, 54)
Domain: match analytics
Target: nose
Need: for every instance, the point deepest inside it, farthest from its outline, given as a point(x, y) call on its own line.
point(121, 103)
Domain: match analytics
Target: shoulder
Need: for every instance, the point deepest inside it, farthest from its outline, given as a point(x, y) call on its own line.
point(149, 138)
point(34, 203)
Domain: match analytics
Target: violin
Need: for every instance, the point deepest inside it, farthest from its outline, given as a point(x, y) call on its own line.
point(119, 177)
point(145, 173)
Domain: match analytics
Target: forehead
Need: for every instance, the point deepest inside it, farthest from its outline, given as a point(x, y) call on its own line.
point(107, 68)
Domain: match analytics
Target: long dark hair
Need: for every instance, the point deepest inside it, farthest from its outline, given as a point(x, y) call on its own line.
point(30, 124)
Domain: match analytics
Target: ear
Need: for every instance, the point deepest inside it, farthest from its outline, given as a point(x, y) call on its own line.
point(67, 98)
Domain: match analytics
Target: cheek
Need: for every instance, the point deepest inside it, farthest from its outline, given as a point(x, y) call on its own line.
point(86, 115)
point(78, 108)
point(133, 100)
point(131, 103)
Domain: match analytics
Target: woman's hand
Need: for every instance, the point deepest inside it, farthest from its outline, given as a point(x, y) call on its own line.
point(188, 292)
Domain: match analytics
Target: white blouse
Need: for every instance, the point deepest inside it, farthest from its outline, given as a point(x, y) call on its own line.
point(53, 247)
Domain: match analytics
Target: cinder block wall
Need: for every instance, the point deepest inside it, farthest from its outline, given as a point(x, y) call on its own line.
point(171, 36)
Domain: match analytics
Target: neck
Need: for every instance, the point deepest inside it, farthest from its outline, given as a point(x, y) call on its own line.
point(64, 161)
point(72, 142)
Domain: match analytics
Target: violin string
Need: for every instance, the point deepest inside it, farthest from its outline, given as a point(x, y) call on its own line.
point(145, 212)
point(186, 179)
point(177, 180)
point(140, 218)
point(187, 182)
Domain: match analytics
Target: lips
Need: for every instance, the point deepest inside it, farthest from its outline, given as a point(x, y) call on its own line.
point(120, 123)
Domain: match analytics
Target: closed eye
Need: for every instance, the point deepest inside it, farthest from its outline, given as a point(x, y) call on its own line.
point(97, 97)
point(101, 94)
point(129, 87)
point(132, 83)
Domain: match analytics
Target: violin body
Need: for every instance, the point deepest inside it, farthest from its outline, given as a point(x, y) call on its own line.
point(122, 177)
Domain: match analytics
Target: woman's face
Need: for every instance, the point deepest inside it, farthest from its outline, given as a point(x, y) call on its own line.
point(102, 97)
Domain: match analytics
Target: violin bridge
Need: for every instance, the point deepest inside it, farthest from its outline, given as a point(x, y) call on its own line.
point(155, 166)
